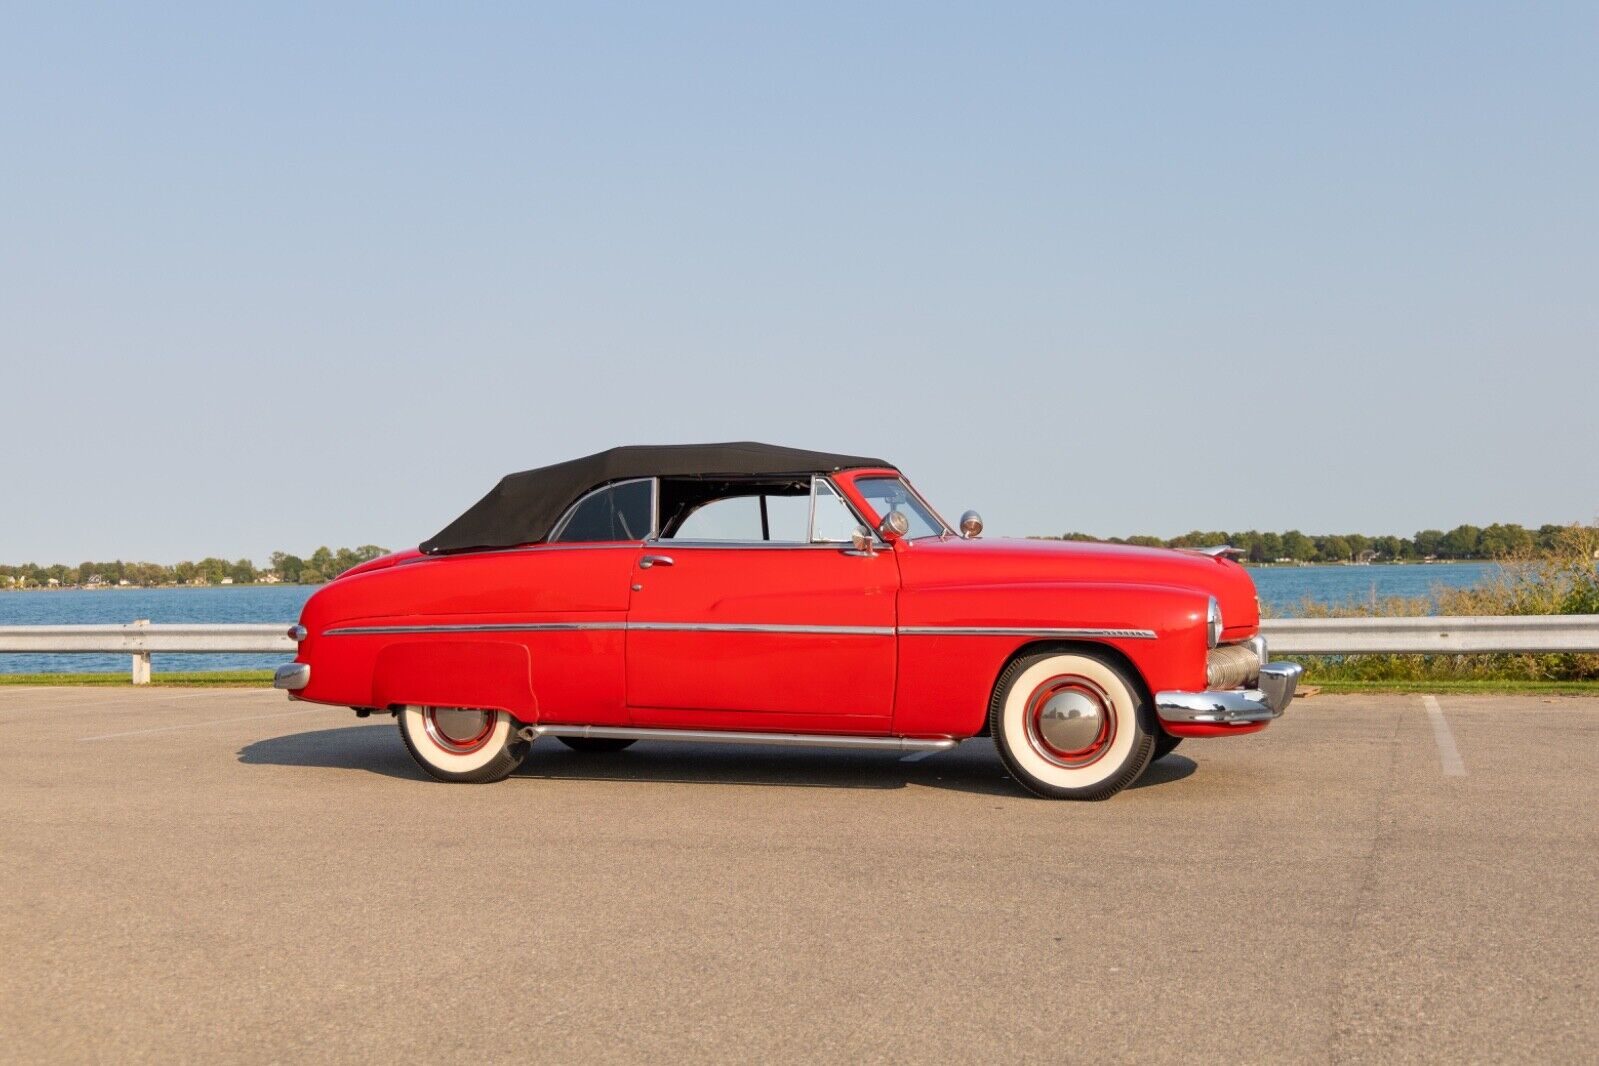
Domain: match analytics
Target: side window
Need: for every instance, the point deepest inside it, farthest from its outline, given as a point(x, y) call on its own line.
point(618, 512)
point(787, 518)
point(792, 510)
point(733, 518)
point(767, 518)
point(835, 522)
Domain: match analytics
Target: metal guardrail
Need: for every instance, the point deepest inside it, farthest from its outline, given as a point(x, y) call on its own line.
point(1433, 634)
point(140, 639)
point(1429, 635)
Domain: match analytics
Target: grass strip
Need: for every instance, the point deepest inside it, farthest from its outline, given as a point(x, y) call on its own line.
point(179, 679)
point(1485, 686)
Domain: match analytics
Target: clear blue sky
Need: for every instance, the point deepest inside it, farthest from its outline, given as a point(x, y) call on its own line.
point(293, 276)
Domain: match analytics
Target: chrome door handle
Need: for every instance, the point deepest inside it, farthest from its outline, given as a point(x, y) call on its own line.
point(654, 560)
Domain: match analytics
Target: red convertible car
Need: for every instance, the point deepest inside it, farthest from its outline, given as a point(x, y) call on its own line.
point(754, 594)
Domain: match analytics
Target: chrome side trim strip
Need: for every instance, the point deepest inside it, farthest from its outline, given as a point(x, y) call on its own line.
point(712, 736)
point(739, 627)
point(1023, 631)
point(474, 627)
point(717, 627)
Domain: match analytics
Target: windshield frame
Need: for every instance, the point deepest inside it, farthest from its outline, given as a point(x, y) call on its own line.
point(858, 498)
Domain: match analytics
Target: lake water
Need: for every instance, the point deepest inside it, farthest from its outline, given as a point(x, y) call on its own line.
point(1282, 589)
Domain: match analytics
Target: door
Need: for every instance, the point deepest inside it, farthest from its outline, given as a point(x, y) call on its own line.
point(762, 634)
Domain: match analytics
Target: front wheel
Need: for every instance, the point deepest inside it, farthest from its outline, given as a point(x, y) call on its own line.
point(1071, 725)
point(458, 744)
point(1165, 744)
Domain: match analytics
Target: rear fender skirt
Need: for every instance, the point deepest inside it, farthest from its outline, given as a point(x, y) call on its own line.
point(479, 674)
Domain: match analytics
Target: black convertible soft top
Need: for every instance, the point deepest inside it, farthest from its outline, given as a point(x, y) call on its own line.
point(523, 507)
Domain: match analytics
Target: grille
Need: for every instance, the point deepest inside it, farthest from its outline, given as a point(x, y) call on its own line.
point(1232, 666)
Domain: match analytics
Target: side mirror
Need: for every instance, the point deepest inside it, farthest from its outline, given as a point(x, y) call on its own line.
point(894, 524)
point(971, 524)
point(861, 539)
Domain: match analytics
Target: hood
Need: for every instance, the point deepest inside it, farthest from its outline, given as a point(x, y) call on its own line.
point(931, 562)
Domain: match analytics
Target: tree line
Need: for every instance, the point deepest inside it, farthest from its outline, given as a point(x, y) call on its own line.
point(1465, 542)
point(324, 564)
point(1498, 541)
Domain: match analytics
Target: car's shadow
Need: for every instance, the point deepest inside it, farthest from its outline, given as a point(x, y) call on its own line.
point(973, 767)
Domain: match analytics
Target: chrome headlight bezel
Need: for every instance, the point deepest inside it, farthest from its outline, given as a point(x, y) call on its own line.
point(1213, 623)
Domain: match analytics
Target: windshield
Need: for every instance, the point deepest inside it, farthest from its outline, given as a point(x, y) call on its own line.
point(886, 494)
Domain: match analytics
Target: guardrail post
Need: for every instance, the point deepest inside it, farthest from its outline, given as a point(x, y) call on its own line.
point(141, 660)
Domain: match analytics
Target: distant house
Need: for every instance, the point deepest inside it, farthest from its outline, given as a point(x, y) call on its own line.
point(226, 581)
point(52, 583)
point(268, 577)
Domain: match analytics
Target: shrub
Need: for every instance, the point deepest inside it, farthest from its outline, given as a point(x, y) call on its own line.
point(1565, 581)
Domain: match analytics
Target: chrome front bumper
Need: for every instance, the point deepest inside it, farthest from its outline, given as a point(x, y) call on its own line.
point(1269, 700)
point(292, 676)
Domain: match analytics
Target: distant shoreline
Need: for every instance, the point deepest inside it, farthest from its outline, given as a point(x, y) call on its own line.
point(320, 567)
point(1385, 562)
point(317, 584)
point(151, 588)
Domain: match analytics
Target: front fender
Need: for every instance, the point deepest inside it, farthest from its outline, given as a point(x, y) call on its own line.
point(956, 639)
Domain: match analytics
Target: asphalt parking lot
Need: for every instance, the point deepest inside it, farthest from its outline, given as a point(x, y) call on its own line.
point(202, 875)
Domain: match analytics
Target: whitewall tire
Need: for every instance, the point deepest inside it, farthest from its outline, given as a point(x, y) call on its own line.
point(1072, 725)
point(462, 745)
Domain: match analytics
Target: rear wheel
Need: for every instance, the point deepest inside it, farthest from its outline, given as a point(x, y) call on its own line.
point(459, 744)
point(1071, 725)
point(596, 745)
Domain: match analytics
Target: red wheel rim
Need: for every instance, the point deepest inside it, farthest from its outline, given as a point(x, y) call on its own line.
point(457, 730)
point(1070, 721)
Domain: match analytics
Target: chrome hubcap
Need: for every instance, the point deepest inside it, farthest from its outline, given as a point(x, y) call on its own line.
point(456, 730)
point(1070, 721)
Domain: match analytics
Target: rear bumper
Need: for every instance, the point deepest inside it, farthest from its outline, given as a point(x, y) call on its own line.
point(1234, 706)
point(292, 676)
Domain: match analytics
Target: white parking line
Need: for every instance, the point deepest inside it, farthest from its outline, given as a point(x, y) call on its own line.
point(152, 701)
point(197, 725)
point(1448, 755)
point(918, 756)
